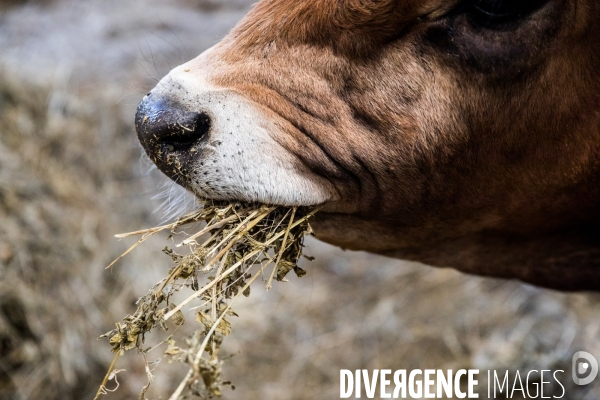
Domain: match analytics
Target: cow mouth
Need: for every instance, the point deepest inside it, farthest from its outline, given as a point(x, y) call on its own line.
point(191, 162)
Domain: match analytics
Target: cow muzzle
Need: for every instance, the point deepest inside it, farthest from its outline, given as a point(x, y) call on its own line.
point(169, 133)
point(221, 145)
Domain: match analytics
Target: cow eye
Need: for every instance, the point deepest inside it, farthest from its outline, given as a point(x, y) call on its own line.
point(499, 13)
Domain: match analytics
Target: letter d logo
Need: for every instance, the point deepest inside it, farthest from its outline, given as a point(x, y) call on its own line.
point(584, 364)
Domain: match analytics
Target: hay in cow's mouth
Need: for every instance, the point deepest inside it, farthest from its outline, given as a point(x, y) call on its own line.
point(239, 242)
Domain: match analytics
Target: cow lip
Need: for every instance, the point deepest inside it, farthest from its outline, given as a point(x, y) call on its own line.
point(179, 165)
point(174, 160)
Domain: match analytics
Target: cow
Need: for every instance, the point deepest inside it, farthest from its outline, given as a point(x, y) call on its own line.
point(456, 133)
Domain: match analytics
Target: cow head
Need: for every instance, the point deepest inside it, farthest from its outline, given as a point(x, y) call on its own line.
point(462, 133)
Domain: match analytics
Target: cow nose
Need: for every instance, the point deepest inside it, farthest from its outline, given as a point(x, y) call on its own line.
point(163, 126)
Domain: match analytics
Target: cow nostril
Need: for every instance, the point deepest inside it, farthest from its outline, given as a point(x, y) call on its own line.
point(185, 131)
point(161, 124)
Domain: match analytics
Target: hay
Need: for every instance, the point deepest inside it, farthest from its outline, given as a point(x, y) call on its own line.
point(240, 242)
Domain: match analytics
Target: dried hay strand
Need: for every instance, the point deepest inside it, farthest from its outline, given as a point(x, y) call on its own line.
point(242, 241)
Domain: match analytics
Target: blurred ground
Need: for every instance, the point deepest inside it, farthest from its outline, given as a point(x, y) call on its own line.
point(71, 175)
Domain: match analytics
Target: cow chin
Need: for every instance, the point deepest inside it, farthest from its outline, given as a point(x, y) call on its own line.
point(220, 145)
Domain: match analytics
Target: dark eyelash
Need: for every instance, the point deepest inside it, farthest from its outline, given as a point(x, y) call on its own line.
point(489, 13)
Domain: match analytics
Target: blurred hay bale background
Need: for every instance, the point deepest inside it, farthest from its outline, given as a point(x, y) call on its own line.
point(71, 74)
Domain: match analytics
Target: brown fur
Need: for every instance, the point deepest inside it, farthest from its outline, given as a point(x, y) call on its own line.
point(446, 143)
